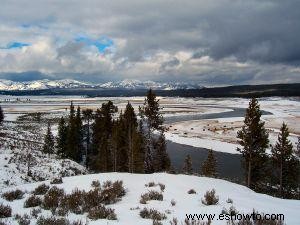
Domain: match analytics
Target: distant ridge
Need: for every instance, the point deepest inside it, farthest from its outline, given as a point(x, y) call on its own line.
point(8, 85)
point(245, 91)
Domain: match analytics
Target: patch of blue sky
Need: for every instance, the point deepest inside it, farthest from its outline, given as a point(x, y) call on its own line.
point(102, 44)
point(13, 45)
point(28, 26)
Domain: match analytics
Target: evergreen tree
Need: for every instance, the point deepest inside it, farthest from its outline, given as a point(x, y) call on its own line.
point(1, 115)
point(150, 114)
point(78, 145)
point(102, 138)
point(48, 147)
point(253, 138)
point(87, 116)
point(282, 154)
point(187, 166)
point(120, 145)
point(139, 150)
point(71, 151)
point(62, 138)
point(130, 123)
point(161, 158)
point(209, 167)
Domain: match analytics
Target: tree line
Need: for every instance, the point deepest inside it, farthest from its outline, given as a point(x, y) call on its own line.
point(277, 172)
point(111, 141)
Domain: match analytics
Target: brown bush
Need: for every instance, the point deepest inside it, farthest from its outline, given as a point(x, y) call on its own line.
point(112, 192)
point(150, 184)
point(32, 201)
point(35, 212)
point(95, 184)
point(52, 198)
point(162, 186)
point(196, 222)
point(41, 189)
point(152, 214)
point(192, 191)
point(5, 211)
point(210, 198)
point(13, 195)
point(151, 195)
point(57, 221)
point(24, 220)
point(57, 180)
point(74, 201)
point(100, 212)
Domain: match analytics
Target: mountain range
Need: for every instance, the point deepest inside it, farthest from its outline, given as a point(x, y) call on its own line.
point(8, 85)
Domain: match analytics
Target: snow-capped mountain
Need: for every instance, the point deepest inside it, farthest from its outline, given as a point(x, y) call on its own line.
point(41, 84)
point(7, 85)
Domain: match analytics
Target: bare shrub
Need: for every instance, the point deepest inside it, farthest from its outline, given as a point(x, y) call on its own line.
point(100, 212)
point(151, 195)
point(32, 201)
point(24, 220)
point(52, 198)
point(151, 184)
point(152, 214)
point(173, 202)
point(35, 212)
point(5, 211)
point(13, 195)
point(162, 186)
point(95, 184)
point(210, 198)
point(112, 192)
point(74, 201)
point(41, 189)
point(229, 200)
point(57, 180)
point(231, 211)
point(57, 221)
point(156, 222)
point(192, 191)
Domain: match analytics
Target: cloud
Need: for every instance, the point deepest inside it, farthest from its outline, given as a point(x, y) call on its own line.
point(210, 41)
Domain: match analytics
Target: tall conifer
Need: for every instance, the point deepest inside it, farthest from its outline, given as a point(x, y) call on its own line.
point(253, 138)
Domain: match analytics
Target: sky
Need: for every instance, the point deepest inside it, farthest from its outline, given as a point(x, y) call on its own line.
point(211, 42)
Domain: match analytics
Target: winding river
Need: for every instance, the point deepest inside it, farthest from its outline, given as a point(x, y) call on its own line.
point(229, 165)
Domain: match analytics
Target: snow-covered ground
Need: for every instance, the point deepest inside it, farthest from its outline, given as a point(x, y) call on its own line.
point(176, 188)
point(220, 134)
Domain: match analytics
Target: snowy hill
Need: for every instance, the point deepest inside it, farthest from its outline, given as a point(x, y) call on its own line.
point(8, 85)
point(128, 208)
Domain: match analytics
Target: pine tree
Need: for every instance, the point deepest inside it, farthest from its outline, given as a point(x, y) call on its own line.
point(102, 138)
point(130, 123)
point(78, 145)
point(187, 166)
point(87, 116)
point(1, 115)
point(282, 153)
point(62, 138)
point(48, 147)
point(139, 150)
point(161, 158)
point(253, 138)
point(71, 135)
point(209, 167)
point(150, 114)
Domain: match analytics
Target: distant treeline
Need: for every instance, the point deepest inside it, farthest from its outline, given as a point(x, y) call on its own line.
point(246, 91)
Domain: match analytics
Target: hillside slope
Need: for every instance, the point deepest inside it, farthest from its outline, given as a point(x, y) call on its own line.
point(176, 188)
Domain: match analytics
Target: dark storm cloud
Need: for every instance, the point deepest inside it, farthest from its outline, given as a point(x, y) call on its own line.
point(219, 41)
